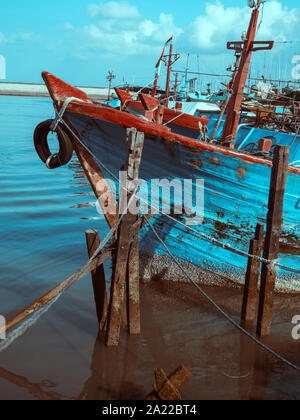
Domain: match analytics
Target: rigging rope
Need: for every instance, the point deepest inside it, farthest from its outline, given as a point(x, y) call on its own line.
point(216, 306)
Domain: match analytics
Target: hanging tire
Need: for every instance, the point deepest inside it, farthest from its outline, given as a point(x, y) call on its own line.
point(65, 153)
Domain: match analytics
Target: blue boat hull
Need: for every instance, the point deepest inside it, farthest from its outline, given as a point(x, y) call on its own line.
point(236, 197)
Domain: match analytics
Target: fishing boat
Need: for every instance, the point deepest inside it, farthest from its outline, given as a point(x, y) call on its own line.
point(236, 180)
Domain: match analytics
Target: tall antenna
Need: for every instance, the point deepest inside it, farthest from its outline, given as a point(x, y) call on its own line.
point(169, 60)
point(187, 67)
point(110, 77)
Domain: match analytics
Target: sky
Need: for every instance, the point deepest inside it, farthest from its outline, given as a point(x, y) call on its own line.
point(81, 40)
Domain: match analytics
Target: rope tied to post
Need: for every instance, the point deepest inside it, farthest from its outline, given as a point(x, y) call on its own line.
point(216, 306)
point(36, 310)
point(60, 113)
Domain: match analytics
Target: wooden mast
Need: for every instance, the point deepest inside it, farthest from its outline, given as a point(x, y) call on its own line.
point(169, 60)
point(155, 85)
point(169, 75)
point(239, 81)
point(175, 86)
point(158, 68)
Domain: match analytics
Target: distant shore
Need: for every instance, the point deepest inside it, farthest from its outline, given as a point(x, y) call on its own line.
point(40, 90)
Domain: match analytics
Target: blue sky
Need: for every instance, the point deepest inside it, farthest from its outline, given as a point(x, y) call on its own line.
point(80, 40)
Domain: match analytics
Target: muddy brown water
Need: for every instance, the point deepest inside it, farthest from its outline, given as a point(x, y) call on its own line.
point(178, 327)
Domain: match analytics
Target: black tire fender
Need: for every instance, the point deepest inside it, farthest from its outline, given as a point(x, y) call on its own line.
point(42, 148)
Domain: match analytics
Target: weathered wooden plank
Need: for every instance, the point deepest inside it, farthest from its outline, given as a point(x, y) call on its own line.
point(135, 149)
point(178, 378)
point(252, 276)
point(118, 282)
point(164, 388)
point(133, 288)
point(98, 279)
point(271, 249)
point(127, 256)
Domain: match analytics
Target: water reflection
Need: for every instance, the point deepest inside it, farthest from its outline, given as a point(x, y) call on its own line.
point(34, 389)
point(112, 371)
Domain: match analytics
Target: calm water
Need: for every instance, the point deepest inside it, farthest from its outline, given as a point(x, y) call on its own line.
point(44, 215)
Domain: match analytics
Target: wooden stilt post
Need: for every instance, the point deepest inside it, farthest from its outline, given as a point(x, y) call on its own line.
point(271, 249)
point(252, 275)
point(98, 279)
point(127, 256)
point(118, 285)
point(133, 287)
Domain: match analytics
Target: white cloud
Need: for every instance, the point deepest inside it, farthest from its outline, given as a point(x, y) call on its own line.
point(20, 36)
point(25, 36)
point(126, 33)
point(147, 27)
point(2, 38)
point(210, 32)
point(114, 10)
point(67, 26)
point(118, 31)
point(279, 23)
point(162, 30)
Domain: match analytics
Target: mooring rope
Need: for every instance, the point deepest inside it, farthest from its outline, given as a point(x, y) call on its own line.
point(223, 245)
point(86, 268)
point(175, 118)
point(61, 112)
point(216, 306)
point(145, 87)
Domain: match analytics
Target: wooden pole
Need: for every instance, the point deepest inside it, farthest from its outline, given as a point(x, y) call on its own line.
point(252, 276)
point(175, 87)
point(98, 279)
point(118, 284)
point(126, 264)
point(271, 249)
point(133, 286)
point(220, 116)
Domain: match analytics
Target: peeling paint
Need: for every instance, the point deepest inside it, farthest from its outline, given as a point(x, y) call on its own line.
point(241, 172)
